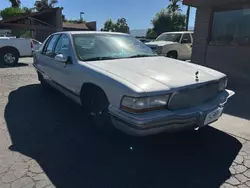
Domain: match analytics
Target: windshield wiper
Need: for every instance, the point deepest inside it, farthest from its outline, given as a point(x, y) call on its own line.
point(141, 55)
point(100, 58)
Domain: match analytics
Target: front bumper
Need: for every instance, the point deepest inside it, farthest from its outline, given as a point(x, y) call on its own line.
point(165, 120)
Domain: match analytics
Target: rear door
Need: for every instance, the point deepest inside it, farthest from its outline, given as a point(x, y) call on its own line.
point(186, 46)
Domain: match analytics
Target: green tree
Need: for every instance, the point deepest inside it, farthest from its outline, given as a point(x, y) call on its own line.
point(44, 4)
point(122, 26)
point(11, 12)
point(119, 26)
point(108, 26)
point(164, 21)
point(174, 6)
point(27, 10)
point(151, 34)
point(15, 3)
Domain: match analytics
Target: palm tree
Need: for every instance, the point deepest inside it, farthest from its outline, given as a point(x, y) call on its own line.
point(174, 6)
point(44, 4)
point(15, 3)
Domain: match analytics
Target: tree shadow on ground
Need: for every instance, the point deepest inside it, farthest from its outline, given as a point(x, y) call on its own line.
point(52, 129)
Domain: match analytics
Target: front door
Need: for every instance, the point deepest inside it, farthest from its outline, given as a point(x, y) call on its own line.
point(65, 75)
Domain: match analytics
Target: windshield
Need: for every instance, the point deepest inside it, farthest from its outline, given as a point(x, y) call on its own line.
point(172, 37)
point(93, 47)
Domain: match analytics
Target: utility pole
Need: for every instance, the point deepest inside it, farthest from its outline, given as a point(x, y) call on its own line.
point(187, 17)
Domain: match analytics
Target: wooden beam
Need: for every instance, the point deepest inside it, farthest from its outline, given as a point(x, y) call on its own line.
point(28, 26)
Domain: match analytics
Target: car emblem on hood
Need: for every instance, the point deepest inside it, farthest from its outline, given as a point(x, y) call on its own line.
point(197, 76)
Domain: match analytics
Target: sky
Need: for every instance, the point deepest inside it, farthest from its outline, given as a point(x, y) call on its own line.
point(137, 12)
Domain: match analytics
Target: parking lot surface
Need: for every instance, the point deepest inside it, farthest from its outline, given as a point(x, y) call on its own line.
point(45, 142)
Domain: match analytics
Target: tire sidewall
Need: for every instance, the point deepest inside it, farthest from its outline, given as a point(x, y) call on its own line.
point(14, 53)
point(172, 55)
point(107, 128)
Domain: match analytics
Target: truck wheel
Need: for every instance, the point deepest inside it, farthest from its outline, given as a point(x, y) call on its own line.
point(10, 56)
point(172, 55)
point(96, 107)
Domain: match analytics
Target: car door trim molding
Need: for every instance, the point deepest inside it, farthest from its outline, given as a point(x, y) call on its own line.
point(66, 89)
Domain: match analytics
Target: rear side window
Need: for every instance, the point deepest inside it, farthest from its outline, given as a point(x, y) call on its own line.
point(48, 50)
point(186, 39)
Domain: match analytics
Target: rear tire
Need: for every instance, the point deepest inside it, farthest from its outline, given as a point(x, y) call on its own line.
point(9, 56)
point(96, 108)
point(172, 55)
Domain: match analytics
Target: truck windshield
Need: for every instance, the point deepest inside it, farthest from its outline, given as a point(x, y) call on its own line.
point(172, 37)
point(94, 47)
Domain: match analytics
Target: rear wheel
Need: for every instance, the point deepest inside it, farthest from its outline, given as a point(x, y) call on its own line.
point(10, 56)
point(172, 55)
point(96, 107)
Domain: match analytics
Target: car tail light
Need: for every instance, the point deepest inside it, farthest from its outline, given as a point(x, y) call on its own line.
point(31, 45)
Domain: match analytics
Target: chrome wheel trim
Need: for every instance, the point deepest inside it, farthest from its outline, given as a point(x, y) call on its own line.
point(9, 58)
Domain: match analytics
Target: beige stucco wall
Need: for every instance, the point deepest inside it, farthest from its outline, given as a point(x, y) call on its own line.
point(232, 60)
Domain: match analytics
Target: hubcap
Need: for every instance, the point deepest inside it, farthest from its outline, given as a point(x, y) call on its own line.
point(9, 58)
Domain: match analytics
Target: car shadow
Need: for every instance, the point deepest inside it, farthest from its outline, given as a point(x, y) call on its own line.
point(20, 64)
point(52, 129)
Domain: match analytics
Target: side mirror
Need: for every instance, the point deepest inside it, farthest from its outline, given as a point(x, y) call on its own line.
point(61, 58)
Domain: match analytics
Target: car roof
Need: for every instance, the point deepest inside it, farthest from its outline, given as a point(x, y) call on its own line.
point(90, 32)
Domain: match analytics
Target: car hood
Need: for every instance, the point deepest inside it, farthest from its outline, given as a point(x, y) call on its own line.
point(157, 73)
point(159, 43)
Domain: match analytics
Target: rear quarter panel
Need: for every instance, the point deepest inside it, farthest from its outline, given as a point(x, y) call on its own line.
point(22, 45)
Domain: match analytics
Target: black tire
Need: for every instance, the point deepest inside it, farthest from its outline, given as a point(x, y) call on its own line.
point(172, 55)
point(96, 105)
point(9, 56)
point(44, 84)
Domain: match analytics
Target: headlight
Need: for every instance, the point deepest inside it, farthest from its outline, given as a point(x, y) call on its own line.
point(144, 104)
point(223, 84)
point(158, 50)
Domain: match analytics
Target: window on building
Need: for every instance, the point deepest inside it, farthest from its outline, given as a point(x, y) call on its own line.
point(231, 27)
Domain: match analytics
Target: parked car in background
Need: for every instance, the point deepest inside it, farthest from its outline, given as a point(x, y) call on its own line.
point(177, 45)
point(122, 83)
point(12, 48)
point(36, 44)
point(144, 40)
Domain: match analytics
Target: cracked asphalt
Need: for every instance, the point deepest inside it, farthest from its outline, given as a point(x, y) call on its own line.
point(45, 142)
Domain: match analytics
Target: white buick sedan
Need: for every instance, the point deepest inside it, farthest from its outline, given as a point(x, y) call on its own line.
point(121, 83)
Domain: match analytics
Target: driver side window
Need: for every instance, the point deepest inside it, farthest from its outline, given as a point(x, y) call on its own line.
point(63, 46)
point(48, 50)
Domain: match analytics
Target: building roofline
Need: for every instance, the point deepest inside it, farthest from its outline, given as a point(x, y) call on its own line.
point(26, 15)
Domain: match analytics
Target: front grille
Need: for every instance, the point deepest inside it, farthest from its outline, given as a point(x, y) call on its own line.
point(156, 49)
point(193, 96)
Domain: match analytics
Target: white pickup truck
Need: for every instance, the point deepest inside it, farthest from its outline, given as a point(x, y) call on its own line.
point(12, 48)
point(177, 45)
